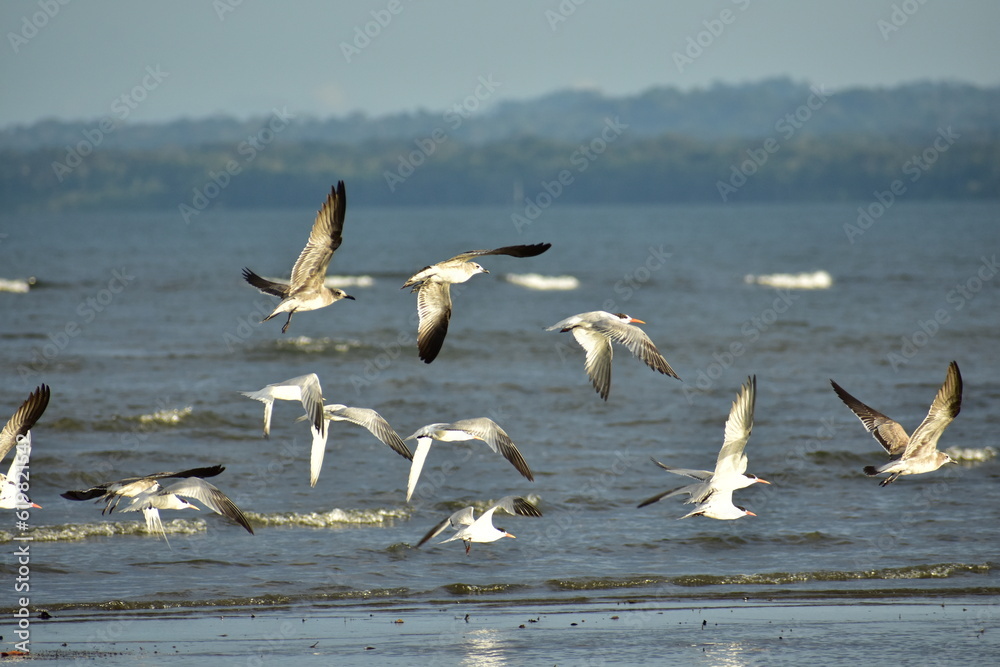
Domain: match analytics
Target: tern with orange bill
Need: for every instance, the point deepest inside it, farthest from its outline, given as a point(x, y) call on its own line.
point(469, 529)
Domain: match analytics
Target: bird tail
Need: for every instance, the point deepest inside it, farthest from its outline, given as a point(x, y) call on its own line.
point(871, 471)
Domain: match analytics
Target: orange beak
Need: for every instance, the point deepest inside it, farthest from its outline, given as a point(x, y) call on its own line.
point(636, 321)
point(749, 513)
point(763, 481)
point(508, 535)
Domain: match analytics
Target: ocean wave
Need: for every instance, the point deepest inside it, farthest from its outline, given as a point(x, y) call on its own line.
point(167, 416)
point(537, 281)
point(72, 532)
point(349, 281)
point(970, 454)
point(814, 280)
point(483, 589)
point(308, 345)
point(16, 285)
point(331, 519)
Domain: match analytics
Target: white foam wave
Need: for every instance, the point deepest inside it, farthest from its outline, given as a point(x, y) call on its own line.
point(171, 416)
point(970, 454)
point(332, 518)
point(538, 281)
point(81, 531)
point(814, 280)
point(16, 285)
point(349, 281)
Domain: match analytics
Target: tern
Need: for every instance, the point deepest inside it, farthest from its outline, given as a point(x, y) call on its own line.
point(433, 287)
point(481, 428)
point(469, 529)
point(730, 466)
point(910, 454)
point(370, 419)
point(595, 330)
point(16, 435)
point(719, 506)
point(306, 290)
point(151, 494)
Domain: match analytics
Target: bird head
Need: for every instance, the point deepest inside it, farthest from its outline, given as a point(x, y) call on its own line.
point(628, 319)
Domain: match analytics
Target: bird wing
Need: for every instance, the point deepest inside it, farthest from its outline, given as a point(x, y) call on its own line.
point(637, 342)
point(102, 489)
point(423, 446)
point(511, 250)
point(489, 431)
point(946, 406)
point(23, 418)
point(700, 475)
point(696, 491)
point(312, 400)
point(317, 453)
point(324, 239)
point(598, 361)
point(732, 460)
point(516, 505)
point(266, 286)
point(888, 432)
point(375, 424)
point(434, 310)
point(460, 519)
point(153, 522)
point(210, 496)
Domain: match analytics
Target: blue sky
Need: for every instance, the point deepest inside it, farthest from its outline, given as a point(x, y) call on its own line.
point(196, 58)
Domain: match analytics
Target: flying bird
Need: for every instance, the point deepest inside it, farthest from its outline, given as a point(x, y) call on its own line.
point(910, 454)
point(306, 290)
point(16, 434)
point(365, 417)
point(469, 529)
point(481, 428)
point(730, 466)
point(152, 493)
point(433, 287)
point(595, 330)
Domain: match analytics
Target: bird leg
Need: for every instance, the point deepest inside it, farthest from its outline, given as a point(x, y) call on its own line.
point(468, 545)
point(287, 322)
point(890, 479)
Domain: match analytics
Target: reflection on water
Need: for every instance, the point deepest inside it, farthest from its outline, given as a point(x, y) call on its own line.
point(484, 648)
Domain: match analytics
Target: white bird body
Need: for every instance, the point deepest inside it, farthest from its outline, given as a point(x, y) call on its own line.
point(719, 506)
point(433, 287)
point(306, 289)
point(917, 453)
point(730, 466)
point(595, 330)
point(481, 428)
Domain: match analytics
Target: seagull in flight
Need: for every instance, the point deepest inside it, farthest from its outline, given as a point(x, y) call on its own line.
point(433, 287)
point(16, 435)
point(910, 454)
point(481, 428)
point(152, 493)
point(306, 290)
point(731, 465)
point(469, 529)
point(365, 417)
point(595, 330)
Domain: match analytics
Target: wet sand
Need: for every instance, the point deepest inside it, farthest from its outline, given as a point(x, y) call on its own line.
point(957, 631)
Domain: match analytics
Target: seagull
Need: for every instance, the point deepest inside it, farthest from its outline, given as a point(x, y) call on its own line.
point(910, 454)
point(730, 466)
point(595, 330)
point(370, 419)
point(481, 428)
point(719, 506)
point(433, 287)
point(149, 494)
point(469, 529)
point(306, 290)
point(16, 434)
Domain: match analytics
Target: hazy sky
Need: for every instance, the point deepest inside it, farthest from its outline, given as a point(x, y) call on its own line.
point(196, 58)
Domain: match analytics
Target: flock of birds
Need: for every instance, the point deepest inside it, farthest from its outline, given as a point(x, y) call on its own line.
point(712, 490)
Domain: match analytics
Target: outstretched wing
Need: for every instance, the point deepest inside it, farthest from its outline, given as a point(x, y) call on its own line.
point(375, 424)
point(326, 236)
point(211, 497)
point(598, 361)
point(732, 460)
point(489, 431)
point(434, 310)
point(24, 418)
point(637, 342)
point(511, 250)
point(888, 432)
point(460, 519)
point(946, 406)
point(266, 286)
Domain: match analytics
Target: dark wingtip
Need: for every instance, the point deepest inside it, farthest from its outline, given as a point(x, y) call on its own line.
point(871, 471)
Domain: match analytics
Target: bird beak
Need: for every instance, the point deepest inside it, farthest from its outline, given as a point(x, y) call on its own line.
point(763, 481)
point(348, 296)
point(485, 271)
point(36, 505)
point(636, 321)
point(508, 535)
point(749, 513)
